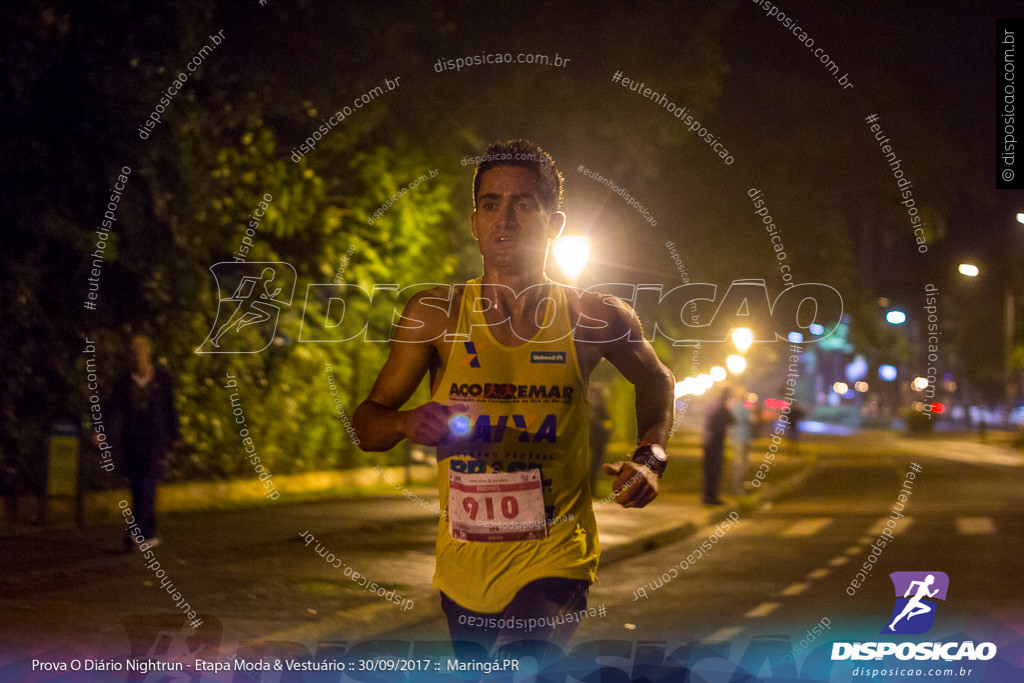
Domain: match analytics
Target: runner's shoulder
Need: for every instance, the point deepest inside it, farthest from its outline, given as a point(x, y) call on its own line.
point(603, 316)
point(430, 313)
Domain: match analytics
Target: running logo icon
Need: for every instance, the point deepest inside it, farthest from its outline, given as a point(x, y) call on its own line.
point(258, 291)
point(916, 593)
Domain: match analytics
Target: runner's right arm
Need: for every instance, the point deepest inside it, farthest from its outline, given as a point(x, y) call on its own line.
point(379, 421)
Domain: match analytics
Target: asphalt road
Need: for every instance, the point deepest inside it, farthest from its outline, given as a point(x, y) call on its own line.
point(749, 592)
point(781, 577)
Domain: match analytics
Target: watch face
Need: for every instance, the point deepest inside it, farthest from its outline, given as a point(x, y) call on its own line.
point(658, 452)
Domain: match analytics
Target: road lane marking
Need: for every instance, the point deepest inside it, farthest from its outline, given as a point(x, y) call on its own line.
point(853, 550)
point(838, 561)
point(807, 527)
point(819, 573)
point(975, 526)
point(762, 610)
point(795, 589)
point(901, 526)
point(959, 451)
point(726, 633)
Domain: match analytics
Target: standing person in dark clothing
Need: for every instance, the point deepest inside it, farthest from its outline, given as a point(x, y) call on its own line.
point(718, 420)
point(796, 414)
point(741, 435)
point(143, 403)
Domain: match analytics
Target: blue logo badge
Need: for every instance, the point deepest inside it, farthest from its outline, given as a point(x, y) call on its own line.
point(916, 593)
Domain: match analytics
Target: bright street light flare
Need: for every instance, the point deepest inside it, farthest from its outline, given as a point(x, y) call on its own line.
point(571, 253)
point(896, 317)
point(742, 338)
point(736, 364)
point(968, 269)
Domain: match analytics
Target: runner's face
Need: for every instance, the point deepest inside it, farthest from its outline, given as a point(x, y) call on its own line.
point(510, 224)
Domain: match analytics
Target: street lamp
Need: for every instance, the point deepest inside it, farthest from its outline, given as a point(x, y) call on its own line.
point(571, 254)
point(895, 317)
point(736, 364)
point(742, 338)
point(1009, 306)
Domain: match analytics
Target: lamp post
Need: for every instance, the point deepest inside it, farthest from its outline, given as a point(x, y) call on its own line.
point(1009, 305)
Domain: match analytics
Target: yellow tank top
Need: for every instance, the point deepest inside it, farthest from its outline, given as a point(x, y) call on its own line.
point(528, 410)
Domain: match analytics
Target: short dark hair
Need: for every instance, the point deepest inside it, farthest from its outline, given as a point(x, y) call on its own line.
point(528, 155)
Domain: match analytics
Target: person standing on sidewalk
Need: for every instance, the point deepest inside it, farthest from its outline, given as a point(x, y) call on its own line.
point(509, 356)
point(147, 428)
point(715, 425)
point(742, 431)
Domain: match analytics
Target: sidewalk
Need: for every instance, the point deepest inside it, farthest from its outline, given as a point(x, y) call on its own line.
point(250, 576)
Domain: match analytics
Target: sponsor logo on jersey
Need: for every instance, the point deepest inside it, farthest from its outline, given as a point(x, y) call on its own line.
point(513, 392)
point(494, 428)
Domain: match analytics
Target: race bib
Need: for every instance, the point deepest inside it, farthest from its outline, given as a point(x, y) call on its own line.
point(496, 506)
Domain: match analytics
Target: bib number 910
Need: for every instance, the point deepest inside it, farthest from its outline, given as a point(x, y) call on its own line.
point(509, 507)
point(496, 506)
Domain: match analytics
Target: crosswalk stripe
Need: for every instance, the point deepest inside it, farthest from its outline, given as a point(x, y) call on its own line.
point(975, 526)
point(838, 561)
point(819, 573)
point(762, 610)
point(807, 527)
point(853, 550)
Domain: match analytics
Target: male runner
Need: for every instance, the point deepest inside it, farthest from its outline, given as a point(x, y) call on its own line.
point(509, 356)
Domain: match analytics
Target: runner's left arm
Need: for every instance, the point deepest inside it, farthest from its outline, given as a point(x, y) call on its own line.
point(634, 357)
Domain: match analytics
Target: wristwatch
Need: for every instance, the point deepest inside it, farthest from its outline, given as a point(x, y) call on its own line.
point(652, 455)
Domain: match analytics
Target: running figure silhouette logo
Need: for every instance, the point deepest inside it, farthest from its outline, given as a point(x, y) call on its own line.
point(258, 291)
point(916, 593)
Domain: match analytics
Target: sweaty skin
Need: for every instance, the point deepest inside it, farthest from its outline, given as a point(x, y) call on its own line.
point(514, 230)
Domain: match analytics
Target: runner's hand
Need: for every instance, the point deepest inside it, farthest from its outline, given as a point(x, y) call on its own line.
point(637, 485)
point(428, 424)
